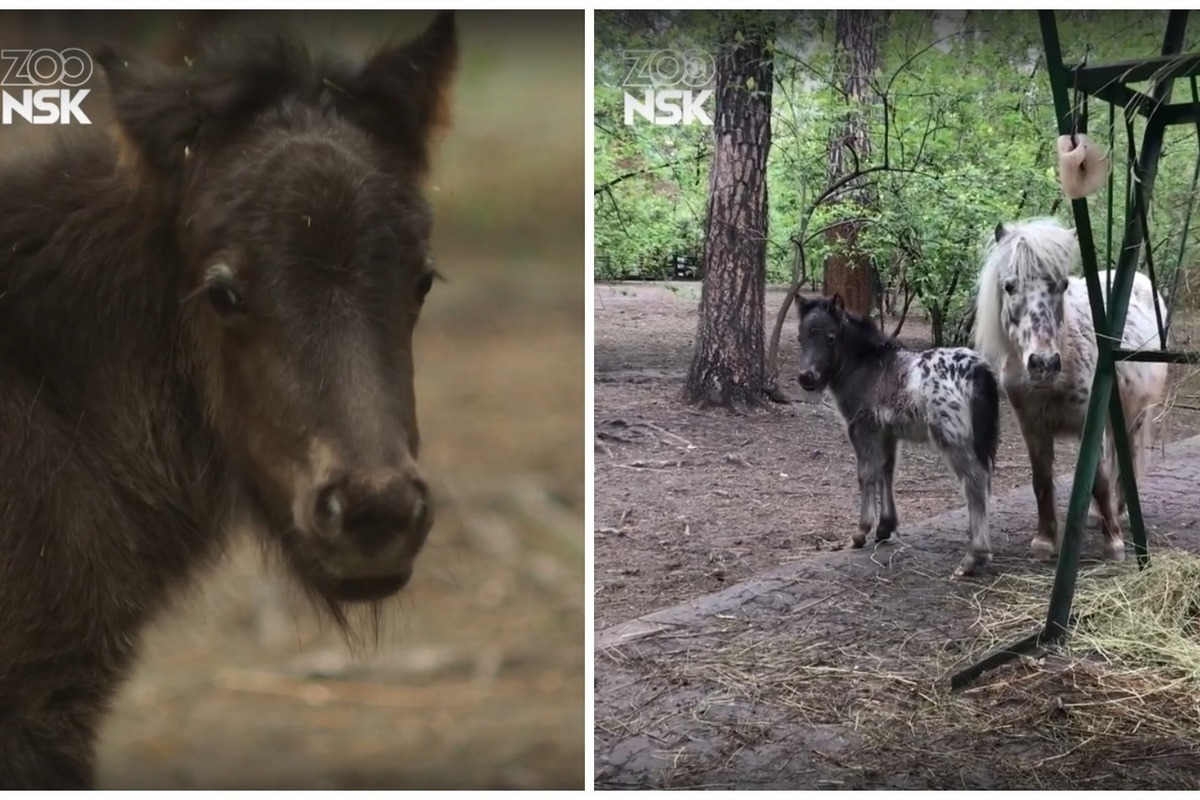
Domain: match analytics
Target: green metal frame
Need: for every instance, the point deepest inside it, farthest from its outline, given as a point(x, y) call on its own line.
point(1107, 82)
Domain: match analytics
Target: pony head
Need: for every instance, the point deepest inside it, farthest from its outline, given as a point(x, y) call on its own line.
point(821, 323)
point(1020, 305)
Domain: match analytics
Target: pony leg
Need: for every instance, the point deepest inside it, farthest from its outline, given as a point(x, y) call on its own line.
point(976, 483)
point(869, 453)
point(1040, 445)
point(870, 477)
point(1114, 544)
point(887, 514)
point(1132, 429)
point(1139, 441)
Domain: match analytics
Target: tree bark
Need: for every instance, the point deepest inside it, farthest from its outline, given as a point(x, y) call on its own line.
point(728, 368)
point(848, 271)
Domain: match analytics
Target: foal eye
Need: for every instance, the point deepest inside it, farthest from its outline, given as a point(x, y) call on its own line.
point(424, 285)
point(225, 300)
point(1010, 286)
point(829, 337)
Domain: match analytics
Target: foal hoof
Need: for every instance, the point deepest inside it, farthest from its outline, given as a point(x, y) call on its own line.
point(1114, 551)
point(859, 538)
point(884, 532)
point(1043, 548)
point(972, 565)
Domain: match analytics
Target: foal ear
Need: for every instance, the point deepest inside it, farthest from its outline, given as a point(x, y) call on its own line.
point(161, 111)
point(839, 307)
point(406, 90)
point(1000, 232)
point(155, 116)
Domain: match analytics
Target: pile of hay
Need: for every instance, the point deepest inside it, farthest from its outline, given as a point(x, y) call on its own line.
point(1132, 661)
point(1118, 706)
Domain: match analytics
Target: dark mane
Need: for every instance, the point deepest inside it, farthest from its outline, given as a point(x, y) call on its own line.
point(860, 335)
point(236, 80)
point(63, 317)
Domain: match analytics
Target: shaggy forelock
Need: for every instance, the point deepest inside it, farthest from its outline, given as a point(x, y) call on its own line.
point(1033, 250)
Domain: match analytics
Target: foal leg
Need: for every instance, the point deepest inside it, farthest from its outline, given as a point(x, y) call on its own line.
point(869, 454)
point(887, 514)
point(976, 483)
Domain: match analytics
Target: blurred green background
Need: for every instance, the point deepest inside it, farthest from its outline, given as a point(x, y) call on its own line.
point(479, 679)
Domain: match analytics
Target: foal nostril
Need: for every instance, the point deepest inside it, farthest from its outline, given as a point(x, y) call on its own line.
point(330, 506)
point(1054, 363)
point(419, 520)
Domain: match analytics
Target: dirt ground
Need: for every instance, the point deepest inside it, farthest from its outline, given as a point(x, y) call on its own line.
point(690, 501)
point(478, 681)
point(729, 526)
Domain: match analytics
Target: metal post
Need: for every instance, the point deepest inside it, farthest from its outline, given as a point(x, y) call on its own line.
point(1104, 404)
point(1071, 540)
point(1136, 233)
point(1109, 328)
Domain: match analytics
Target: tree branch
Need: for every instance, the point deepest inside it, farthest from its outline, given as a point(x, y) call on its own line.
point(638, 173)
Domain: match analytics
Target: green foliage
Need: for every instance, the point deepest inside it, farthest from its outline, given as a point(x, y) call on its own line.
point(964, 122)
point(651, 182)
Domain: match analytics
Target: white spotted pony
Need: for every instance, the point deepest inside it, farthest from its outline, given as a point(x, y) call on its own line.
point(1034, 323)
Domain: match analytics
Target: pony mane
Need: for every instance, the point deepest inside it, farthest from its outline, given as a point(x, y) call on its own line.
point(864, 335)
point(1032, 249)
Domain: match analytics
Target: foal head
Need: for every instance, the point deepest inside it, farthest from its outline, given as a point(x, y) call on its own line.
point(293, 192)
point(1021, 295)
point(822, 323)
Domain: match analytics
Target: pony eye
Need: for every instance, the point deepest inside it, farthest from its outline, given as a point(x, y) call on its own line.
point(1010, 286)
point(424, 284)
point(829, 337)
point(225, 299)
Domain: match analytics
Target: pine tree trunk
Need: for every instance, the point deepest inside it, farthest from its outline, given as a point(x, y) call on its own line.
point(728, 368)
point(849, 272)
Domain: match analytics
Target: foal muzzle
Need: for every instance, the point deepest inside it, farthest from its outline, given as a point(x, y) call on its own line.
point(366, 531)
point(809, 380)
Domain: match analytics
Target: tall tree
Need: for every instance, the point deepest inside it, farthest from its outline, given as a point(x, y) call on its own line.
point(728, 365)
point(848, 271)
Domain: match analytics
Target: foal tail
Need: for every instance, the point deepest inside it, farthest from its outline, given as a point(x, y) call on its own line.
point(985, 415)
